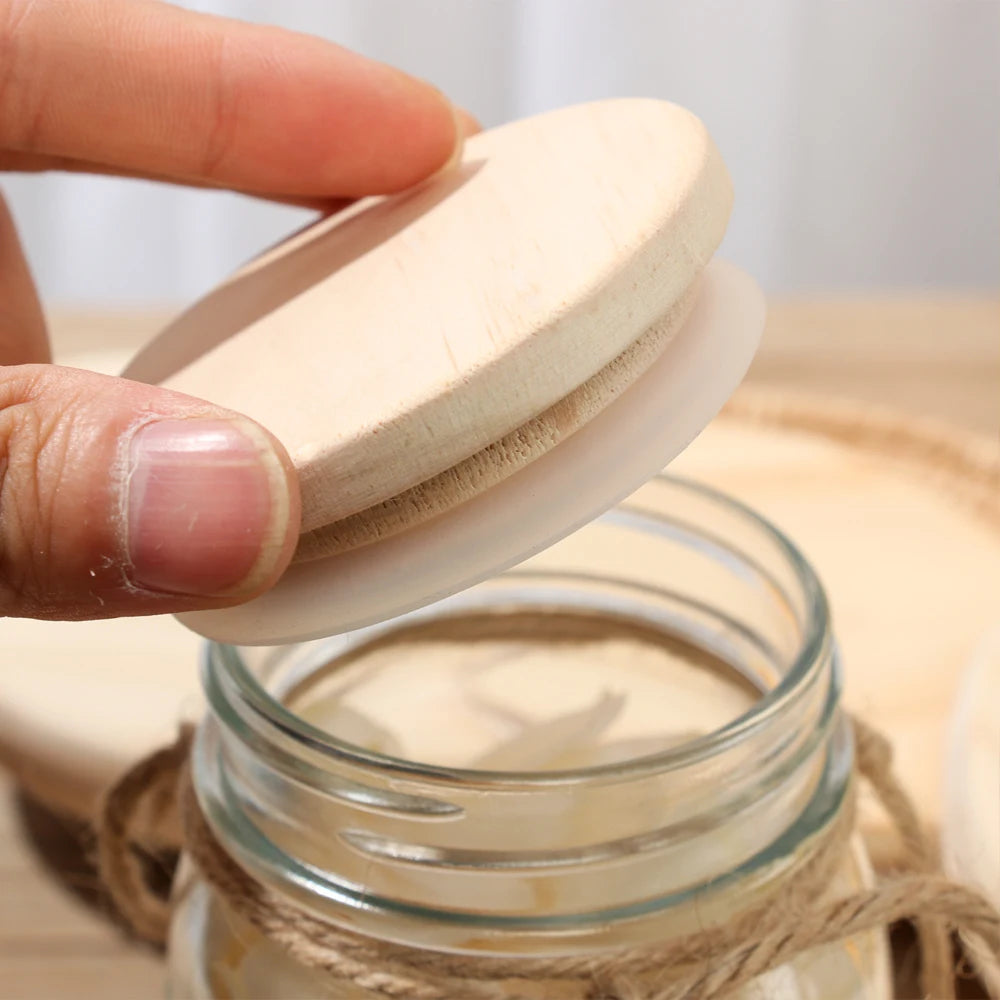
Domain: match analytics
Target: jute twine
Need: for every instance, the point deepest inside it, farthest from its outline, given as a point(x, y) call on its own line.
point(709, 963)
point(964, 465)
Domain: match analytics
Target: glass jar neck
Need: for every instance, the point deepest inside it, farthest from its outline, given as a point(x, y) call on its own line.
point(536, 861)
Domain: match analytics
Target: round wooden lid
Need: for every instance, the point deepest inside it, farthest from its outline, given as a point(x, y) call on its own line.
point(388, 343)
point(612, 454)
point(416, 352)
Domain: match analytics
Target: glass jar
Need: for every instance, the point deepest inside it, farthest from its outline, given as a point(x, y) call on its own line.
point(626, 738)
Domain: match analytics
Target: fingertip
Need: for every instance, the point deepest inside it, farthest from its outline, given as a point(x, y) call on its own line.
point(125, 499)
point(465, 125)
point(413, 131)
point(467, 122)
point(282, 534)
point(457, 143)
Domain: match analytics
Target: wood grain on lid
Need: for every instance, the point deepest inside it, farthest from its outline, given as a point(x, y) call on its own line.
point(387, 344)
point(502, 458)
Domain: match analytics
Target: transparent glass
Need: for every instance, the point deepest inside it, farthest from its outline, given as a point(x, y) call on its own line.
point(628, 737)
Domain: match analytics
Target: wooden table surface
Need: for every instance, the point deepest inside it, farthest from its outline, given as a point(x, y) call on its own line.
point(936, 357)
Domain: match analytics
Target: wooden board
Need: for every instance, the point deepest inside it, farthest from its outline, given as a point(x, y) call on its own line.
point(79, 699)
point(905, 539)
point(52, 945)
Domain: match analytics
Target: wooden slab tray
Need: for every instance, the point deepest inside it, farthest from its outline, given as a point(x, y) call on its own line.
point(901, 519)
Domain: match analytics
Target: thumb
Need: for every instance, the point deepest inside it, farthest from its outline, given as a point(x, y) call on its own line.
point(118, 498)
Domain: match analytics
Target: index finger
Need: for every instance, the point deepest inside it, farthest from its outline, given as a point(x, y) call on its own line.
point(145, 87)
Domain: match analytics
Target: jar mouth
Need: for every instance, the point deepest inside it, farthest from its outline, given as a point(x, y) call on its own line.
point(227, 677)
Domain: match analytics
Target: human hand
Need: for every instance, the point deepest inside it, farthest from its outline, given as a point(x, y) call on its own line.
point(118, 498)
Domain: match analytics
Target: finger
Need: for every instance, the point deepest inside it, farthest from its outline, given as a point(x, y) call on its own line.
point(146, 87)
point(22, 325)
point(17, 161)
point(118, 498)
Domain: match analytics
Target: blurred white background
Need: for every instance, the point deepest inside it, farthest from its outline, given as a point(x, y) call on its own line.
point(862, 135)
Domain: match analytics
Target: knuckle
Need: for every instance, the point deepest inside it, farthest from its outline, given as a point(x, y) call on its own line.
point(34, 448)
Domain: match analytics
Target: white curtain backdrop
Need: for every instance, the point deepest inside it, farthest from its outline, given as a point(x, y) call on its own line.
point(862, 135)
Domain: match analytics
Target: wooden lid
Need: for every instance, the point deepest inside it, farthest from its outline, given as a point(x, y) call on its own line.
point(386, 344)
point(611, 455)
point(416, 352)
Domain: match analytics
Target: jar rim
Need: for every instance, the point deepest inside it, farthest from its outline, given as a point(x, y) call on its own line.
point(224, 663)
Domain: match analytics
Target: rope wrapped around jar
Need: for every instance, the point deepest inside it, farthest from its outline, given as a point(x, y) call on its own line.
point(704, 965)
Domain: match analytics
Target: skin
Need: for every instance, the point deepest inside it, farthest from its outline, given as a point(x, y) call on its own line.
point(94, 470)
